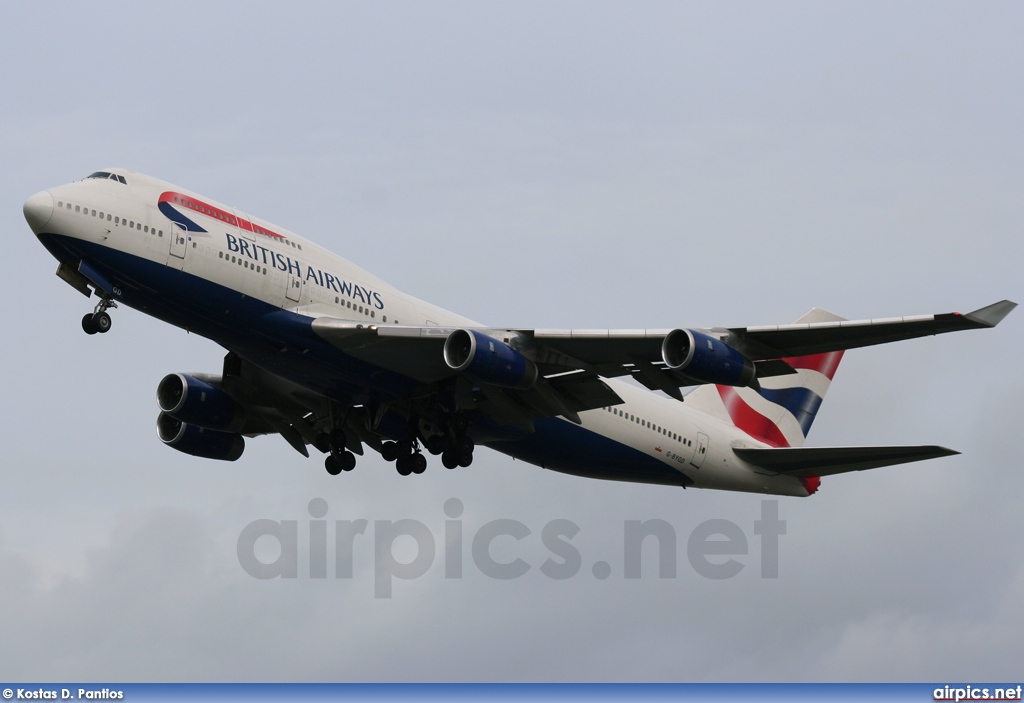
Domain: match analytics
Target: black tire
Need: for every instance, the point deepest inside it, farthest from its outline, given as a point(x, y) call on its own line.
point(348, 461)
point(459, 423)
point(419, 463)
point(87, 325)
point(389, 450)
point(434, 444)
point(101, 321)
point(404, 465)
point(465, 459)
point(333, 465)
point(450, 459)
point(465, 445)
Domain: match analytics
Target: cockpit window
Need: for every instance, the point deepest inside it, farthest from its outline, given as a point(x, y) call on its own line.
point(110, 176)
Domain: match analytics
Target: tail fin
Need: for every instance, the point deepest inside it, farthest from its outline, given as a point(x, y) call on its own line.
point(780, 413)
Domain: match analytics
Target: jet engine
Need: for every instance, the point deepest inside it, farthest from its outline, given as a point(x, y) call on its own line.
point(198, 441)
point(488, 360)
point(198, 402)
point(705, 358)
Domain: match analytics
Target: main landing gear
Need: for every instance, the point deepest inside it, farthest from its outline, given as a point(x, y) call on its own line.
point(410, 460)
point(406, 455)
point(338, 459)
point(99, 320)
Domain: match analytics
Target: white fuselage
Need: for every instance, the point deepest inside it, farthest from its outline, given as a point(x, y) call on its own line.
point(255, 260)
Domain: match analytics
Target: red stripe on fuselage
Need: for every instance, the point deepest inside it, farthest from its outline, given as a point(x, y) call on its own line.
point(749, 420)
point(204, 208)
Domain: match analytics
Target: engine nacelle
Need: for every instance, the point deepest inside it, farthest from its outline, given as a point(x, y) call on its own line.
point(197, 441)
point(706, 358)
point(488, 360)
point(197, 402)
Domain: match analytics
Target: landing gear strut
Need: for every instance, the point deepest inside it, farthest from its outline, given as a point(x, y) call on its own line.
point(339, 459)
point(99, 320)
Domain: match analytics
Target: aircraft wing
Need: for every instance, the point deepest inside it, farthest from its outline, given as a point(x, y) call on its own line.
point(578, 358)
point(777, 341)
point(601, 347)
point(806, 462)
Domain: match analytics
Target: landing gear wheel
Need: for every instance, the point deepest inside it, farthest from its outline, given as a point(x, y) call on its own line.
point(333, 465)
point(434, 444)
point(465, 459)
point(389, 450)
point(459, 423)
point(87, 325)
point(419, 463)
point(450, 459)
point(348, 461)
point(101, 322)
point(404, 465)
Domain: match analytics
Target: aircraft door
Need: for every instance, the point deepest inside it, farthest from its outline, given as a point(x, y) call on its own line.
point(702, 450)
point(294, 290)
point(179, 240)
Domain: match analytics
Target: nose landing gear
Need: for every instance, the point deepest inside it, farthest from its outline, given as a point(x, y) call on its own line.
point(99, 320)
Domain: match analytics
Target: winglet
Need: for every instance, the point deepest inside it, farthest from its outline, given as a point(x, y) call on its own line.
point(992, 315)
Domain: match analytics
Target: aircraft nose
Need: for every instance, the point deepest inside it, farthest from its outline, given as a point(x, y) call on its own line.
point(38, 209)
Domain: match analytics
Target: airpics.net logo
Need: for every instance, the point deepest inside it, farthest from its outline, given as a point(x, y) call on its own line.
point(715, 549)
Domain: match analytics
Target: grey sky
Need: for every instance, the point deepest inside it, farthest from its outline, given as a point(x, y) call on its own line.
point(533, 164)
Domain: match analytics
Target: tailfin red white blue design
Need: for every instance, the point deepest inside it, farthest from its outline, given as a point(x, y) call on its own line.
point(781, 413)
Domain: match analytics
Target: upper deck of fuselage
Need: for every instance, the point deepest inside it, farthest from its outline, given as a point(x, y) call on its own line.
point(132, 195)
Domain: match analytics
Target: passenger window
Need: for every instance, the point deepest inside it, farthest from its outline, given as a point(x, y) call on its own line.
point(77, 209)
point(117, 220)
point(108, 217)
point(94, 213)
point(384, 318)
point(60, 203)
point(146, 229)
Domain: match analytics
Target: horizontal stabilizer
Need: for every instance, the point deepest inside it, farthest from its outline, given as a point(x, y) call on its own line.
point(805, 462)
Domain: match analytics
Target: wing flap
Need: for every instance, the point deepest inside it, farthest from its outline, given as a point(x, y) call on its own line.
point(807, 462)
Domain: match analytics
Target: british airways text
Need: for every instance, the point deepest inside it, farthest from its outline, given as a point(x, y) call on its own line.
point(281, 262)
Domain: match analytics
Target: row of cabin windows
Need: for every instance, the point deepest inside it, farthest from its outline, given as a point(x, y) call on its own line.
point(230, 219)
point(244, 263)
point(358, 308)
point(116, 219)
point(650, 425)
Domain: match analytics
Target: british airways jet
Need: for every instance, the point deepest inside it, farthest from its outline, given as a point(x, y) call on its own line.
point(329, 356)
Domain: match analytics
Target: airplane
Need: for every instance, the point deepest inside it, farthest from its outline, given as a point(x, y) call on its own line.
point(331, 357)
